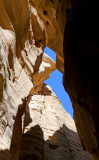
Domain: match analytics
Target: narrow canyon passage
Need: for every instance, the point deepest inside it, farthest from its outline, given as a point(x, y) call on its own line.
point(33, 123)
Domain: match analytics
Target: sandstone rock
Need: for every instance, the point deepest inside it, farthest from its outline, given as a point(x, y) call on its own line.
point(38, 30)
point(53, 15)
point(46, 68)
point(16, 20)
point(81, 48)
point(16, 75)
point(16, 85)
point(23, 37)
point(18, 56)
point(49, 132)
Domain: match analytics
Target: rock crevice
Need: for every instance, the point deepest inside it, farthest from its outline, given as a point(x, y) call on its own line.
point(33, 124)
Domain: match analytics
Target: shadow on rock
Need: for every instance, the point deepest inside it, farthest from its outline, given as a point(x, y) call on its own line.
point(45, 90)
point(33, 144)
point(64, 145)
point(17, 131)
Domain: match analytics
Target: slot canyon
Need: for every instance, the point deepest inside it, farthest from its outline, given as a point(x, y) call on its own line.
point(33, 123)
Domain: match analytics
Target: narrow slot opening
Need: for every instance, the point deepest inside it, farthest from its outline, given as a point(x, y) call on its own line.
point(55, 82)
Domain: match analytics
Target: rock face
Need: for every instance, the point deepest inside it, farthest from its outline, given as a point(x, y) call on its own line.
point(81, 50)
point(49, 132)
point(20, 58)
point(81, 56)
point(15, 77)
point(31, 127)
point(53, 15)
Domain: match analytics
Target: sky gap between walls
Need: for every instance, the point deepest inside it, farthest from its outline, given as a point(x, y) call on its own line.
point(55, 82)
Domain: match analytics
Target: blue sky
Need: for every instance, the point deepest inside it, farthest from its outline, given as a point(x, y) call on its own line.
point(55, 82)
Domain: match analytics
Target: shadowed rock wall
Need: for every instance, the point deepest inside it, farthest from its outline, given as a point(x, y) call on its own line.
point(26, 27)
point(81, 54)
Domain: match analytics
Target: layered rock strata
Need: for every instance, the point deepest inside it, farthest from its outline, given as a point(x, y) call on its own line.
point(53, 15)
point(20, 58)
point(80, 47)
point(24, 67)
point(49, 132)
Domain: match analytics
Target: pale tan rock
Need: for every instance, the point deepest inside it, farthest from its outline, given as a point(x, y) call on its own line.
point(16, 83)
point(13, 18)
point(23, 37)
point(38, 30)
point(46, 68)
point(16, 73)
point(53, 15)
point(52, 130)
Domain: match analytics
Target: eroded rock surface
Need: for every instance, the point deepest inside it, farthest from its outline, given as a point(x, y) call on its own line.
point(81, 54)
point(26, 27)
point(53, 15)
point(18, 57)
point(49, 132)
point(81, 51)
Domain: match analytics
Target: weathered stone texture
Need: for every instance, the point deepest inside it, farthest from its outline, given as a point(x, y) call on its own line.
point(53, 15)
point(46, 68)
point(81, 54)
point(18, 56)
point(49, 132)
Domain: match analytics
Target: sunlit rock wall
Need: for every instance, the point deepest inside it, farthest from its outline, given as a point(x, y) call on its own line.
point(26, 27)
point(71, 27)
point(53, 15)
point(49, 132)
point(20, 58)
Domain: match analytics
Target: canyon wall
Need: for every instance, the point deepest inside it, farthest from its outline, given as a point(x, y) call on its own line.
point(80, 65)
point(49, 132)
point(81, 54)
point(33, 124)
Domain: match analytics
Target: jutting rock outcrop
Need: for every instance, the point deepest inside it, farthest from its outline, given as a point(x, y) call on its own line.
point(26, 27)
point(49, 132)
point(20, 58)
point(33, 124)
point(53, 15)
point(81, 54)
